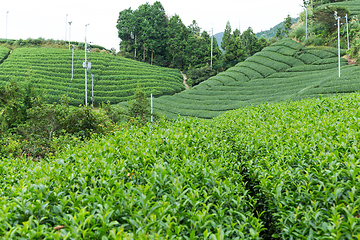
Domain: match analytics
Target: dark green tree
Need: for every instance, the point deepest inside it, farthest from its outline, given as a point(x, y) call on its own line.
point(279, 33)
point(143, 31)
point(235, 51)
point(251, 42)
point(226, 37)
point(14, 101)
point(138, 110)
point(287, 25)
point(177, 35)
point(325, 17)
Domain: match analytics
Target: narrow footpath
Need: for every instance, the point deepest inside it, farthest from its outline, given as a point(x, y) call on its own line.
point(185, 78)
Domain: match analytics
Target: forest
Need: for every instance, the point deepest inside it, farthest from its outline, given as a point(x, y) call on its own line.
point(147, 34)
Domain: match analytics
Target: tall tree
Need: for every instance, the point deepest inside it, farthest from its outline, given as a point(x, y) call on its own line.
point(287, 25)
point(226, 37)
point(143, 29)
point(125, 28)
point(194, 28)
point(250, 42)
point(157, 34)
point(177, 35)
point(235, 51)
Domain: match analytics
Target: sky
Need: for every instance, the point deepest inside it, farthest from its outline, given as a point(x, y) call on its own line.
point(49, 19)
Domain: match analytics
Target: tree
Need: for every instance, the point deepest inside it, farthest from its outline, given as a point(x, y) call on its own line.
point(139, 108)
point(250, 42)
point(226, 37)
point(14, 101)
point(125, 27)
point(287, 25)
point(235, 51)
point(176, 35)
point(194, 29)
point(279, 33)
point(325, 17)
point(143, 29)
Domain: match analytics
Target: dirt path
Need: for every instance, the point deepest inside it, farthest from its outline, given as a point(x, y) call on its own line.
point(185, 78)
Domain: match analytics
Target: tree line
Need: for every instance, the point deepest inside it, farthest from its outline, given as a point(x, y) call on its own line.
point(147, 34)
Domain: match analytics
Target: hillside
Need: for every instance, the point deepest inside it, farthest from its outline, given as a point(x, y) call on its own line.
point(272, 31)
point(115, 78)
point(284, 71)
point(218, 38)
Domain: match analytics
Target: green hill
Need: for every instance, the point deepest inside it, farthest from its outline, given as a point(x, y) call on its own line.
point(283, 71)
point(272, 31)
point(115, 78)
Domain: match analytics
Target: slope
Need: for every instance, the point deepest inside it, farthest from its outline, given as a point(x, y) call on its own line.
point(115, 78)
point(283, 71)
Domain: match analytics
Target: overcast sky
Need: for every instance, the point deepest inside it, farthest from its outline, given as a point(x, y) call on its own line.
point(47, 18)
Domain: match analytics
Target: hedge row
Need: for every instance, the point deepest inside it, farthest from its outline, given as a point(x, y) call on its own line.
point(287, 42)
point(268, 62)
point(263, 70)
point(248, 72)
point(307, 68)
point(282, 50)
point(289, 60)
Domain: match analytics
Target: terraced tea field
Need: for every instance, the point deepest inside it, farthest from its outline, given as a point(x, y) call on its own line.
point(284, 71)
point(115, 78)
point(353, 6)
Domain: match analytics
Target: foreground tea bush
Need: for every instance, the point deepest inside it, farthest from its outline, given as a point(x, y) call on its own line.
point(304, 157)
point(281, 171)
point(166, 181)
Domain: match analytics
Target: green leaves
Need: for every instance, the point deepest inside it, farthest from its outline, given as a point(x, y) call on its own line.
point(284, 170)
point(302, 155)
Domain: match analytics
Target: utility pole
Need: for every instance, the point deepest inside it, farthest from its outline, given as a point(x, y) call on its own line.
point(92, 89)
point(69, 33)
point(347, 31)
point(6, 24)
point(306, 4)
point(338, 22)
point(66, 22)
point(212, 39)
point(72, 64)
point(85, 65)
point(151, 101)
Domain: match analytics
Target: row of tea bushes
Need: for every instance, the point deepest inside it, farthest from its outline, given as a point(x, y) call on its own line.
point(114, 77)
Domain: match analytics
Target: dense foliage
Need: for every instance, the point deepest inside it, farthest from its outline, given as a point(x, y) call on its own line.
point(281, 171)
point(322, 26)
point(115, 78)
point(31, 127)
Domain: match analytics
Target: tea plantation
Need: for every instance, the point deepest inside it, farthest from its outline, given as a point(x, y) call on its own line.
point(353, 6)
point(283, 71)
point(274, 171)
point(115, 78)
